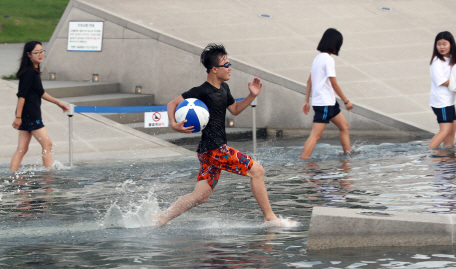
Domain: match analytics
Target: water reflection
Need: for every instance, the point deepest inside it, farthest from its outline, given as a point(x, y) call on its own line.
point(253, 255)
point(30, 194)
point(332, 182)
point(52, 219)
point(444, 162)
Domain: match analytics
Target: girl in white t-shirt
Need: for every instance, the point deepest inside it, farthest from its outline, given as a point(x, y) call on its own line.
point(442, 99)
point(322, 80)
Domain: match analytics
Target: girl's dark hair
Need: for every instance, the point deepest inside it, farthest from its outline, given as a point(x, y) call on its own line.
point(448, 37)
point(211, 55)
point(331, 41)
point(25, 60)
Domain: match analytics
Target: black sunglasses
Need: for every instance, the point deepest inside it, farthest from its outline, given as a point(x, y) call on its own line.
point(226, 65)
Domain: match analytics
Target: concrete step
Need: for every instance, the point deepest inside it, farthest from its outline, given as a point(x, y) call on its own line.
point(152, 131)
point(125, 118)
point(176, 137)
point(61, 89)
point(168, 134)
point(114, 99)
point(99, 94)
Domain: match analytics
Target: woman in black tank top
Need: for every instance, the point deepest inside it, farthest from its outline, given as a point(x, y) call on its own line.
point(28, 111)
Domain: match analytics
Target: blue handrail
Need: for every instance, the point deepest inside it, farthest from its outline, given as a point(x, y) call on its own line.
point(123, 109)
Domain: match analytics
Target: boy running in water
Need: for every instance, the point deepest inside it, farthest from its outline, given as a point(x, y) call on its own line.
point(213, 153)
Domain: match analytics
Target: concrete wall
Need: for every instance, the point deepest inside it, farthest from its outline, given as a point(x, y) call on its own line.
point(166, 67)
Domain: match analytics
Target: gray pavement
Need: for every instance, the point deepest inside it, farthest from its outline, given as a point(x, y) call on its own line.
point(383, 64)
point(96, 139)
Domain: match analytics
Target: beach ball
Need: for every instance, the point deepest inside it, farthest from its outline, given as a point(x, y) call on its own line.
point(195, 112)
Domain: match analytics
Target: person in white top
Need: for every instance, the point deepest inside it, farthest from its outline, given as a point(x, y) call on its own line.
point(322, 80)
point(442, 99)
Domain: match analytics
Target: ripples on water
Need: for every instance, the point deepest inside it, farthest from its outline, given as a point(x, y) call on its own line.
point(54, 219)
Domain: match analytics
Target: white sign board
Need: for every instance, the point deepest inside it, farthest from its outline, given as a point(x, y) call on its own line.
point(155, 119)
point(85, 35)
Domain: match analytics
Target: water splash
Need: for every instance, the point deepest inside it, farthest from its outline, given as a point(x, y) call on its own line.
point(282, 223)
point(223, 225)
point(114, 218)
point(60, 166)
point(26, 169)
point(141, 216)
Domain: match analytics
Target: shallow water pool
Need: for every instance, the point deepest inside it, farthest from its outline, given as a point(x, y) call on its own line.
point(55, 219)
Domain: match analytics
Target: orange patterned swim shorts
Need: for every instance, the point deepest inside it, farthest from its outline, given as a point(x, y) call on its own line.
point(224, 158)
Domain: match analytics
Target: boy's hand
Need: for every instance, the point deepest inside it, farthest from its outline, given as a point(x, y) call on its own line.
point(255, 87)
point(179, 126)
point(306, 108)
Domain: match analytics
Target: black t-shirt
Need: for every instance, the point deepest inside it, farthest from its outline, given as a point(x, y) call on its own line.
point(31, 89)
point(216, 100)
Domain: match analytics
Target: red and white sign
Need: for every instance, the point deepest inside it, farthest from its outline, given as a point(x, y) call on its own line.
point(155, 119)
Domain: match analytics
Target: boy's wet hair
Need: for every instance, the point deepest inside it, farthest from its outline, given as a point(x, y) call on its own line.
point(448, 37)
point(331, 41)
point(211, 55)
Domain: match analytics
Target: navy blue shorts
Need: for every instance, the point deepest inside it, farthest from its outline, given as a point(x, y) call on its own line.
point(31, 125)
point(445, 114)
point(323, 114)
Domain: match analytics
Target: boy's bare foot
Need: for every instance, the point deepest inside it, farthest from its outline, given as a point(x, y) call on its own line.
point(281, 223)
point(158, 221)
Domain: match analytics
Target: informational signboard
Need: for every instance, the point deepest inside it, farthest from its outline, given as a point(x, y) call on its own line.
point(85, 35)
point(155, 119)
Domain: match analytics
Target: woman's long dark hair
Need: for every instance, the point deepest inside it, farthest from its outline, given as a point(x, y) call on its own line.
point(448, 37)
point(25, 60)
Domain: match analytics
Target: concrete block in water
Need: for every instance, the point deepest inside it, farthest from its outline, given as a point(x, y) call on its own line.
point(342, 228)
